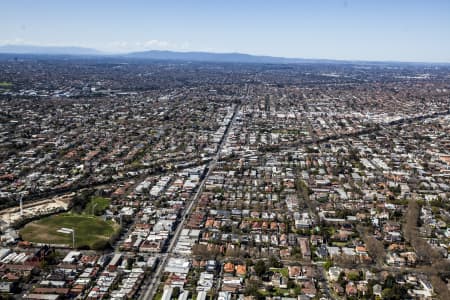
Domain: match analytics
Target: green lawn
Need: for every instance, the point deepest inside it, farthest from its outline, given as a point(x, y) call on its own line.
point(282, 271)
point(92, 232)
point(97, 205)
point(5, 84)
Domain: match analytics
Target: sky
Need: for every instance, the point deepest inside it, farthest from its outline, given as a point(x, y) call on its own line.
point(383, 30)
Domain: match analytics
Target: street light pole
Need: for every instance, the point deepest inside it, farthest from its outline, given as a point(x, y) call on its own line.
point(73, 239)
point(68, 231)
point(21, 206)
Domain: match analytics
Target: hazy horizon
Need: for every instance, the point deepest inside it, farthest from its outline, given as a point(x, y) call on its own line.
point(339, 30)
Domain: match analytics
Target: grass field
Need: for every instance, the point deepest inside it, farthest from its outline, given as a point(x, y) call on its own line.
point(90, 231)
point(4, 84)
point(97, 206)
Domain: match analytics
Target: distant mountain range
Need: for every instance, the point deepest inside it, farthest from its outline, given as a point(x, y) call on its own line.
point(209, 56)
point(152, 55)
point(165, 55)
point(52, 50)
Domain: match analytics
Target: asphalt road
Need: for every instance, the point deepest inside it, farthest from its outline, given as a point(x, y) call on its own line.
point(150, 290)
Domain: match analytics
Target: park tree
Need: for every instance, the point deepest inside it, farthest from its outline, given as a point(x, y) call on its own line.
point(260, 268)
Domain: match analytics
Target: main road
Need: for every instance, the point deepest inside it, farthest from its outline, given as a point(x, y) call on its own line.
point(150, 290)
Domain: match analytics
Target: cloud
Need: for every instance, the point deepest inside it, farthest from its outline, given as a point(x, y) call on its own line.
point(21, 41)
point(114, 46)
point(16, 41)
point(153, 44)
point(156, 44)
point(118, 46)
point(185, 46)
